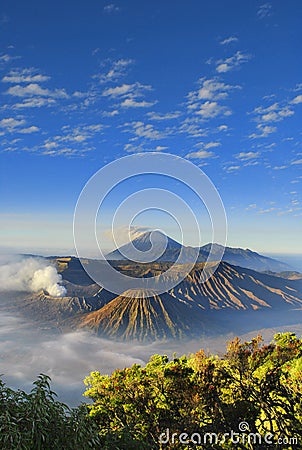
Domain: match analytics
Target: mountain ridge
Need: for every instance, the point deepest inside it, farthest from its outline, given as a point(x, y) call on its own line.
point(233, 255)
point(234, 297)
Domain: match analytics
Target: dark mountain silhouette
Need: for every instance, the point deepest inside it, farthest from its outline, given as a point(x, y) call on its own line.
point(235, 256)
point(150, 242)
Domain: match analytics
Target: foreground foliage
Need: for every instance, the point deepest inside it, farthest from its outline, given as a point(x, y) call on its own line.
point(37, 421)
point(254, 388)
point(257, 386)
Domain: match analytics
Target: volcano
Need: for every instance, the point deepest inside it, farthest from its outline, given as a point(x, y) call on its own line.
point(166, 249)
point(232, 297)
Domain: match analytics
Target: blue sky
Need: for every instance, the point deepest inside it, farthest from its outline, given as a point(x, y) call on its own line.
point(85, 83)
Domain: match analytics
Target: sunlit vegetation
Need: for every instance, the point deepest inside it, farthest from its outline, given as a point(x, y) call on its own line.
point(37, 421)
point(253, 383)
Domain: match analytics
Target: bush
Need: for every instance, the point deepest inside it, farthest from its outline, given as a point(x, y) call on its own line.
point(37, 421)
point(254, 383)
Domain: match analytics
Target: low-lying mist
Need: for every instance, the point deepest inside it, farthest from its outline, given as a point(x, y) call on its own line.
point(68, 358)
point(30, 274)
point(28, 348)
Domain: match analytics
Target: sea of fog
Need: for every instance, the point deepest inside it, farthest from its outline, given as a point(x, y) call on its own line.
point(26, 351)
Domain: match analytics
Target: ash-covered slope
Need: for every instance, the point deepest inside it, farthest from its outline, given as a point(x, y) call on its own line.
point(192, 307)
point(144, 315)
point(45, 308)
point(237, 288)
point(233, 296)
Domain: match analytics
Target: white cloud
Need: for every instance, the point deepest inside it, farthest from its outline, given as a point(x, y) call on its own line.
point(141, 147)
point(95, 128)
point(125, 90)
point(297, 100)
point(290, 211)
point(50, 145)
point(280, 167)
point(11, 123)
point(115, 71)
point(79, 134)
point(272, 113)
point(111, 8)
point(74, 141)
point(264, 131)
point(131, 103)
point(166, 116)
point(246, 156)
point(222, 128)
point(267, 211)
point(66, 151)
point(209, 110)
point(296, 162)
point(130, 95)
point(34, 89)
point(142, 130)
point(211, 145)
point(191, 126)
point(24, 76)
point(112, 113)
point(276, 116)
point(6, 58)
point(134, 148)
point(34, 102)
point(232, 168)
point(251, 206)
point(211, 89)
point(264, 10)
point(251, 163)
point(29, 130)
point(201, 154)
point(160, 148)
point(229, 40)
point(232, 62)
point(119, 90)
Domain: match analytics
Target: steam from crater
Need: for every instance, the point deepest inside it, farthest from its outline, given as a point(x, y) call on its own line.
point(30, 274)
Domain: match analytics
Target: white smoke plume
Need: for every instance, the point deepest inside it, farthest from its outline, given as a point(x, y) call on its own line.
point(123, 235)
point(30, 274)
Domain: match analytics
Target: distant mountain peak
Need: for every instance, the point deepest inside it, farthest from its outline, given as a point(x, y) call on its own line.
point(155, 236)
point(166, 249)
point(146, 247)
